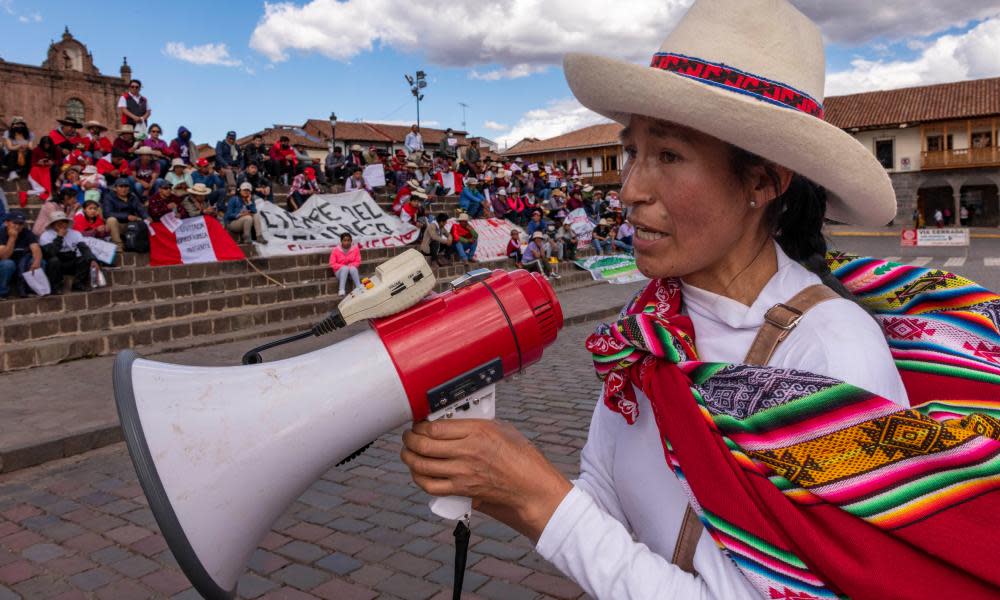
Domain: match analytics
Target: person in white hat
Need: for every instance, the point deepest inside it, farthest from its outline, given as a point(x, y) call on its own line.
point(600, 237)
point(66, 254)
point(471, 199)
point(730, 172)
point(242, 217)
point(465, 239)
point(535, 256)
point(179, 173)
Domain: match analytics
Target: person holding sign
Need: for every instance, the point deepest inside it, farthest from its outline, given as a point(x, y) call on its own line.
point(66, 254)
point(345, 260)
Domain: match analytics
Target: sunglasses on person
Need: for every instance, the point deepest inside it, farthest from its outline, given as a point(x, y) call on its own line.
point(155, 131)
point(133, 87)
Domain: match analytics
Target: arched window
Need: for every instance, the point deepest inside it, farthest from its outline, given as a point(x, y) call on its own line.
point(75, 109)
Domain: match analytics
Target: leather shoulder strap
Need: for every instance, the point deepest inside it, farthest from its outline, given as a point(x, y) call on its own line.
point(687, 541)
point(781, 319)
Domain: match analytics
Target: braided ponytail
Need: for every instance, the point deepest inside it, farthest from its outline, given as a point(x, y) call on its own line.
point(794, 218)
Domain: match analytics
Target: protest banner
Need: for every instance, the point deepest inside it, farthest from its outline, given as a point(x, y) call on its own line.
point(374, 175)
point(493, 235)
point(582, 226)
point(613, 268)
point(103, 251)
point(939, 237)
point(195, 240)
point(316, 226)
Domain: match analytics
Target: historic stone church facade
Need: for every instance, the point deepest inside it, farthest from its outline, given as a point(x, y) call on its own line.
point(67, 83)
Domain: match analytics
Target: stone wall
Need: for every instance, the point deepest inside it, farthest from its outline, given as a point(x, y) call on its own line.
point(40, 95)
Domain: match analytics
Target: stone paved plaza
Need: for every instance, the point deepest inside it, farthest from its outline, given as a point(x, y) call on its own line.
point(81, 528)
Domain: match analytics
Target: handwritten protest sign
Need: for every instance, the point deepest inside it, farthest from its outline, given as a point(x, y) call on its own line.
point(374, 175)
point(316, 226)
point(103, 251)
point(582, 226)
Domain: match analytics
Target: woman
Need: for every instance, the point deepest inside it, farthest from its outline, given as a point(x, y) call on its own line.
point(536, 256)
point(158, 144)
point(345, 260)
point(17, 142)
point(727, 191)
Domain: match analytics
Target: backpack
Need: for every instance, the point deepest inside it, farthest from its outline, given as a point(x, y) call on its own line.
point(136, 238)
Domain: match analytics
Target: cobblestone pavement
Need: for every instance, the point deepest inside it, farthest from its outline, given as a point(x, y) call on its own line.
point(81, 528)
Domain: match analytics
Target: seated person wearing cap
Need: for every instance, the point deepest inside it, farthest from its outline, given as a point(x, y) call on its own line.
point(413, 210)
point(465, 239)
point(600, 237)
point(19, 253)
point(121, 206)
point(229, 157)
point(66, 254)
point(535, 256)
point(208, 177)
point(304, 185)
point(161, 200)
point(89, 221)
point(258, 179)
point(537, 223)
point(241, 215)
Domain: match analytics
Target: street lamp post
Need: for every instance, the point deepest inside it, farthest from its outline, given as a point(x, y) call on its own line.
point(417, 83)
point(333, 130)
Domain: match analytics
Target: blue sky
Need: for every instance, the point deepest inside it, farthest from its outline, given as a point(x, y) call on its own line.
point(294, 61)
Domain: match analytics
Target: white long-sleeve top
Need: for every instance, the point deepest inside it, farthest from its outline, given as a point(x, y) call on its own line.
point(625, 487)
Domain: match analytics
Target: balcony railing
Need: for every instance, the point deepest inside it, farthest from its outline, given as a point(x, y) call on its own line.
point(604, 178)
point(959, 158)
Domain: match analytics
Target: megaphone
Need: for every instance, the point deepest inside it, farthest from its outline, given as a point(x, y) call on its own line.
point(221, 452)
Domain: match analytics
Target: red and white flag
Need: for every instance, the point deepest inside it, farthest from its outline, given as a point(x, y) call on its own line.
point(189, 241)
point(40, 179)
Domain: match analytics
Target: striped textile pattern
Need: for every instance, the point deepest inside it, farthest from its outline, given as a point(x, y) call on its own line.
point(810, 485)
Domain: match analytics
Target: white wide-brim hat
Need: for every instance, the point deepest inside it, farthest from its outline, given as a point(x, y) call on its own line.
point(750, 73)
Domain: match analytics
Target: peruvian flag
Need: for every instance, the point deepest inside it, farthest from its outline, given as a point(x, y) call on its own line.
point(174, 241)
point(40, 179)
point(450, 181)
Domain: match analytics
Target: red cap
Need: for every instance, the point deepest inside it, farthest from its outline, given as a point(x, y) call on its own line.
point(202, 162)
point(310, 173)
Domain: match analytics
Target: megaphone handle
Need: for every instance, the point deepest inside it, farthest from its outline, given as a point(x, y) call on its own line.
point(481, 405)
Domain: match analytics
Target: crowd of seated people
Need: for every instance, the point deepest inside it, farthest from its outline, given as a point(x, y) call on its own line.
point(109, 181)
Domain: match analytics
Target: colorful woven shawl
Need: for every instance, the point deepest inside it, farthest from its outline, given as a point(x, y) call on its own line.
point(816, 488)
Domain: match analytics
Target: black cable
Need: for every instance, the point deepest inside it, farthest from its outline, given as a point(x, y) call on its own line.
point(462, 535)
point(331, 323)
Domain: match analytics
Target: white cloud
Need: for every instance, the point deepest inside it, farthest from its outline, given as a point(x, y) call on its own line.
point(556, 118)
point(517, 35)
point(971, 55)
point(31, 18)
point(494, 126)
point(859, 21)
point(515, 72)
point(205, 54)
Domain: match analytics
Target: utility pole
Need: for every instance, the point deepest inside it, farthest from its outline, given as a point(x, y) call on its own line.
point(417, 83)
point(464, 106)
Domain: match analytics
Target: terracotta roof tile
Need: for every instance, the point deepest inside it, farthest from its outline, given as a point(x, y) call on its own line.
point(375, 132)
point(959, 100)
point(605, 134)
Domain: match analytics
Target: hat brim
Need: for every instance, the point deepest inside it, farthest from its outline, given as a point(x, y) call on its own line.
point(859, 190)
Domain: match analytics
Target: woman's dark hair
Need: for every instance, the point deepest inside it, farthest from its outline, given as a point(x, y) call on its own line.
point(441, 217)
point(46, 144)
point(19, 127)
point(157, 126)
point(794, 218)
point(135, 81)
point(346, 236)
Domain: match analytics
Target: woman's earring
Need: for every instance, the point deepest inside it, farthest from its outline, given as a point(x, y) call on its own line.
point(753, 204)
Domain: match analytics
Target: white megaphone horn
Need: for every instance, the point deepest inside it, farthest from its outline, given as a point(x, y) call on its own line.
point(221, 452)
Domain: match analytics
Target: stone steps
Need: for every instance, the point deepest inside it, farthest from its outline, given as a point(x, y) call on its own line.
point(51, 338)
